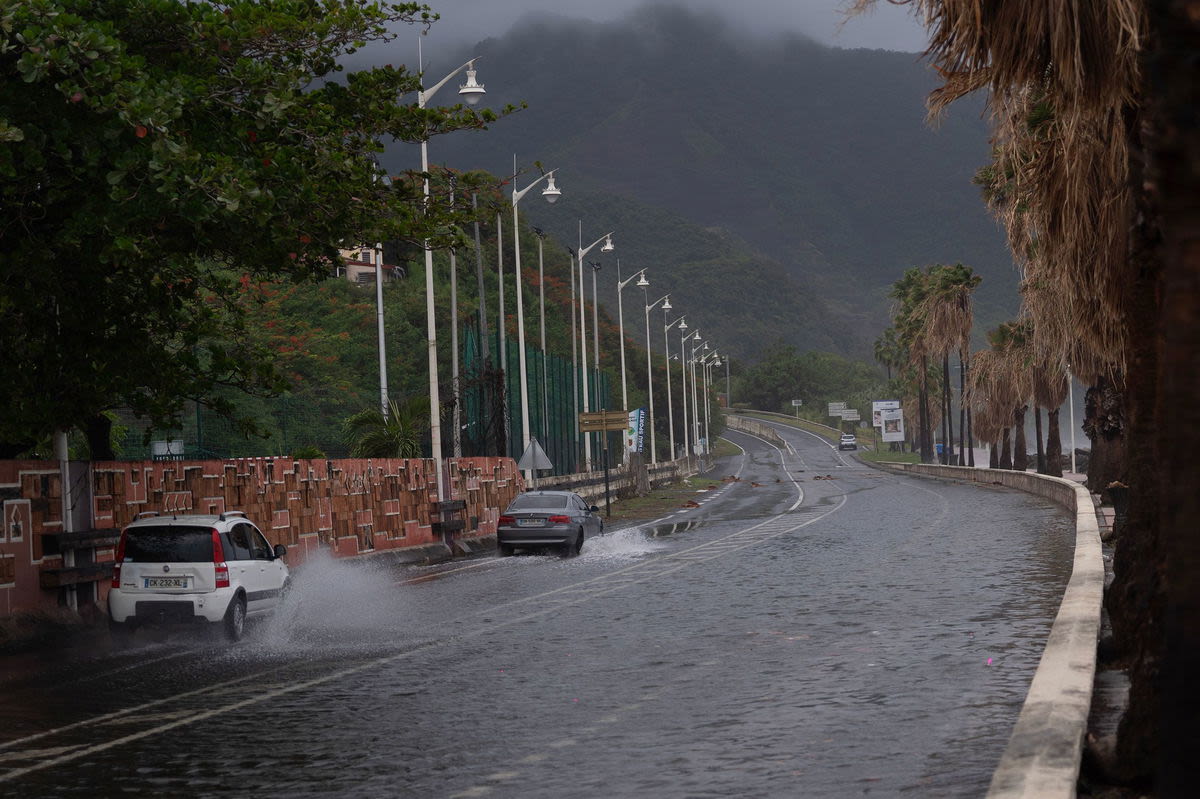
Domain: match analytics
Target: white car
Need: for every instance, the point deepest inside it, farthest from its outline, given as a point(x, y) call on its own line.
point(172, 570)
point(848, 441)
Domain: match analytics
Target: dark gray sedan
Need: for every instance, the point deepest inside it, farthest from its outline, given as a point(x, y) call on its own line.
point(538, 519)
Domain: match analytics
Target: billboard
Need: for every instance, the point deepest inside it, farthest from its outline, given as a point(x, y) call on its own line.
point(892, 422)
point(878, 406)
point(635, 433)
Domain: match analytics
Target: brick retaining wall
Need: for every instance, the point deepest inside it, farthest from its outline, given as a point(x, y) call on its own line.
point(348, 506)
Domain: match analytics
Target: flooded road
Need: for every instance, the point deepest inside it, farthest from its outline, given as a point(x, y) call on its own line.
point(816, 628)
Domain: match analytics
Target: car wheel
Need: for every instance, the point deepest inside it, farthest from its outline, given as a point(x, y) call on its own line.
point(235, 619)
point(571, 548)
point(504, 549)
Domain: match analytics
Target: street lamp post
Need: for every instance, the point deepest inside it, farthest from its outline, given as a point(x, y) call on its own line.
point(551, 193)
point(665, 301)
point(670, 407)
point(581, 252)
point(574, 370)
point(694, 361)
point(642, 281)
point(471, 92)
point(377, 256)
point(707, 365)
point(683, 388)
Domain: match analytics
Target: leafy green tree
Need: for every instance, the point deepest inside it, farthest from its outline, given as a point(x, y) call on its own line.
point(397, 435)
point(153, 155)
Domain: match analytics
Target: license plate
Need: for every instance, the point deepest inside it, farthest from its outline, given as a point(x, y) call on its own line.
point(530, 523)
point(167, 582)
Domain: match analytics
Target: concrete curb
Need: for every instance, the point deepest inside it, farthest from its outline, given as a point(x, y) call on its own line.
point(1044, 751)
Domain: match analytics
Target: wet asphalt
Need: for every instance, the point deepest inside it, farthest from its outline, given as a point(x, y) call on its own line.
point(815, 627)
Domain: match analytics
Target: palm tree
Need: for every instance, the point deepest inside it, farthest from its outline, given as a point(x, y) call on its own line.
point(888, 351)
point(397, 435)
point(1049, 392)
point(909, 322)
point(1075, 113)
point(947, 318)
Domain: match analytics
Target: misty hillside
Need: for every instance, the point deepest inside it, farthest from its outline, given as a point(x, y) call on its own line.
point(776, 188)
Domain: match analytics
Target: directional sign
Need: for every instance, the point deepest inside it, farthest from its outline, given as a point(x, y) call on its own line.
point(850, 415)
point(797, 403)
point(597, 421)
point(836, 408)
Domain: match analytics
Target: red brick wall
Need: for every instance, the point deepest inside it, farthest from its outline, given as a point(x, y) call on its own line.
point(32, 504)
point(349, 506)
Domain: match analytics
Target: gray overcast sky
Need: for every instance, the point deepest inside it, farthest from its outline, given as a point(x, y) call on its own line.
point(887, 27)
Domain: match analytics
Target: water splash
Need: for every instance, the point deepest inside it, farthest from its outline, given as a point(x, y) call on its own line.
point(631, 542)
point(336, 603)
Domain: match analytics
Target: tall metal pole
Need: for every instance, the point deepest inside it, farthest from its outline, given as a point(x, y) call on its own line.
point(670, 405)
point(456, 433)
point(500, 301)
point(377, 256)
point(574, 370)
point(435, 402)
point(665, 301)
point(542, 314)
point(583, 360)
point(601, 438)
point(522, 373)
point(683, 392)
point(621, 338)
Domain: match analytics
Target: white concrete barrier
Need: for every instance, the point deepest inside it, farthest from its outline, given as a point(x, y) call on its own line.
point(1044, 751)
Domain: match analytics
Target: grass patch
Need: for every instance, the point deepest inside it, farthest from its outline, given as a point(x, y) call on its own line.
point(661, 500)
point(724, 448)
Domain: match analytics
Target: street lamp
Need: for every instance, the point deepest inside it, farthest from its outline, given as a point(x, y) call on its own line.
point(665, 300)
point(707, 364)
point(472, 92)
point(642, 281)
point(581, 252)
point(551, 193)
point(694, 361)
point(683, 384)
point(670, 407)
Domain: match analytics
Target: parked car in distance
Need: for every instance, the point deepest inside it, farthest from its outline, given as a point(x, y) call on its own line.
point(177, 570)
point(848, 441)
point(547, 519)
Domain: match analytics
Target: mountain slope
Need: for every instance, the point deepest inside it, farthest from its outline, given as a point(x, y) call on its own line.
point(817, 163)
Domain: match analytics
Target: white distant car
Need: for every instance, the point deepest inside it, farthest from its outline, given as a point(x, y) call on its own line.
point(847, 441)
point(175, 570)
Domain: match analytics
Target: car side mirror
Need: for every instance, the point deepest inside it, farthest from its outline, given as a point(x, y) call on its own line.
point(594, 509)
point(280, 550)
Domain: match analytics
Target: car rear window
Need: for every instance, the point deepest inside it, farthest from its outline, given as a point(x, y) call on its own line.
point(169, 544)
point(527, 501)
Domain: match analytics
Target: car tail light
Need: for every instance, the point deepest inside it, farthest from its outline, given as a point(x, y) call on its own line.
point(560, 520)
point(219, 565)
point(507, 520)
point(117, 561)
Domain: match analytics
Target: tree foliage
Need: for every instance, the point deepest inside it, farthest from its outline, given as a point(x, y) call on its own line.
point(154, 155)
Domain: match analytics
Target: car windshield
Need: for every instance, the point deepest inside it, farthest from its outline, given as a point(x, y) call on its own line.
point(528, 501)
point(166, 544)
